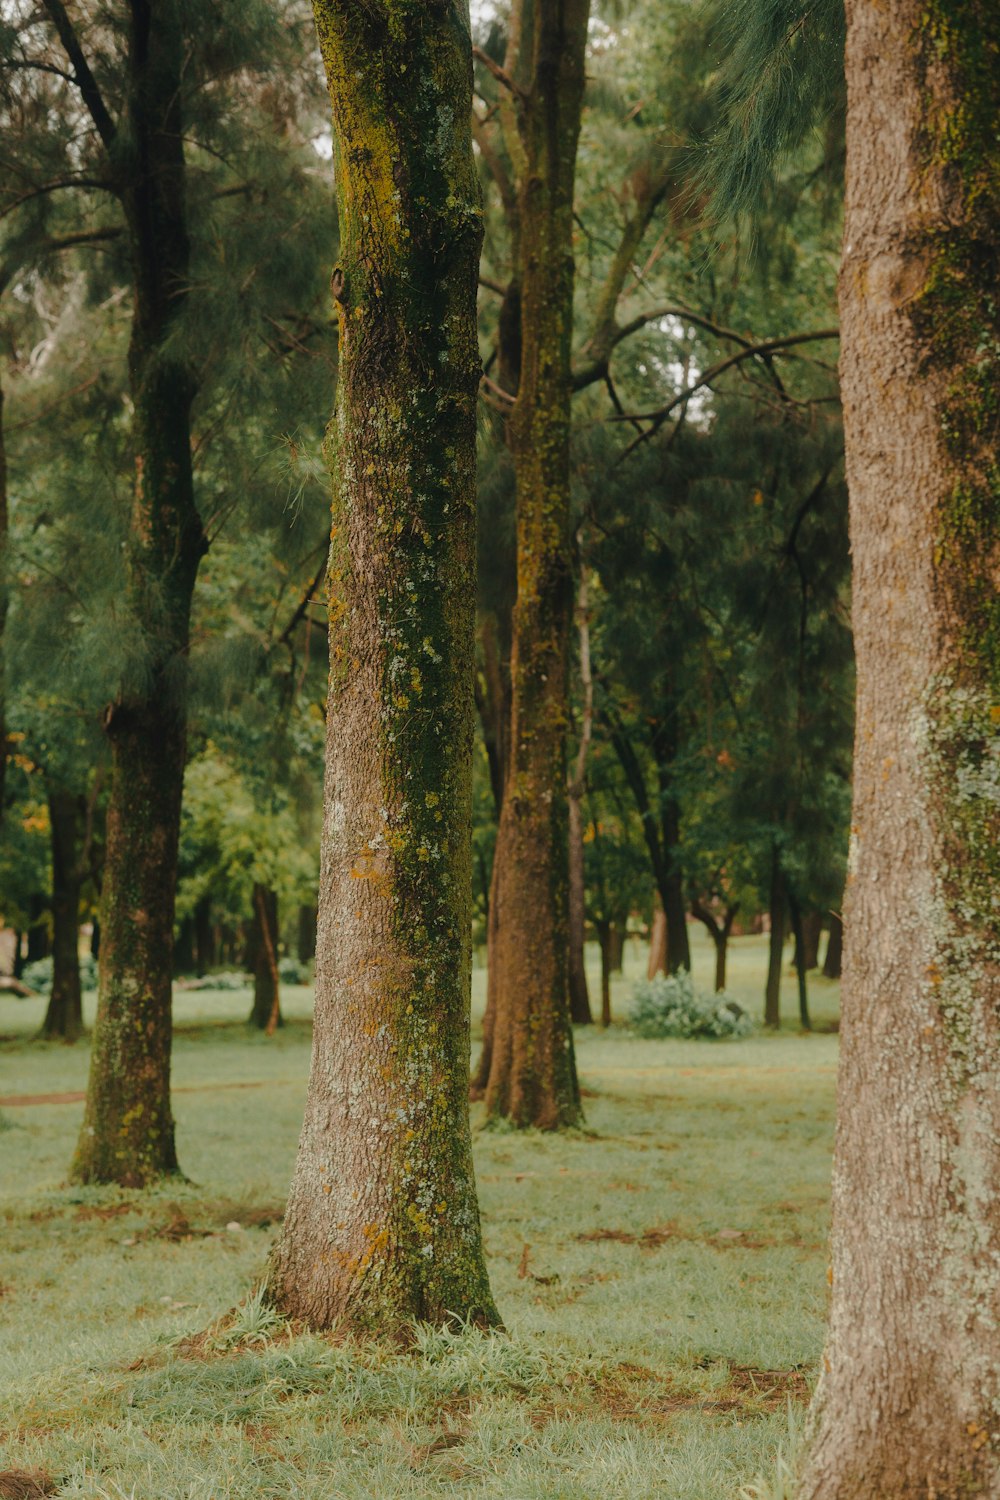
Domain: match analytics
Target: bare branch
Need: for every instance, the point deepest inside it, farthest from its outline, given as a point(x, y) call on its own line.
point(502, 77)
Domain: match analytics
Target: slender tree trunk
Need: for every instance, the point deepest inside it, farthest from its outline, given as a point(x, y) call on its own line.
point(481, 1075)
point(64, 1015)
point(533, 1069)
point(812, 928)
point(579, 1000)
point(19, 957)
point(672, 881)
point(266, 1011)
point(798, 928)
point(383, 1223)
point(604, 937)
point(128, 1130)
point(204, 937)
point(834, 948)
point(657, 962)
point(39, 941)
point(306, 944)
point(910, 1392)
point(616, 946)
point(719, 933)
point(776, 945)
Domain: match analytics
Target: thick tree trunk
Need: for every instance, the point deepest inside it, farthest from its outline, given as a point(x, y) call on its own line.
point(266, 1011)
point(910, 1391)
point(64, 1014)
point(128, 1132)
point(776, 945)
point(533, 1069)
point(834, 948)
point(657, 961)
point(383, 1223)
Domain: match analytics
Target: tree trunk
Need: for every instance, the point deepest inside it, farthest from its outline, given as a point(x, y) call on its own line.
point(39, 938)
point(579, 1000)
point(3, 602)
point(533, 1069)
point(383, 1223)
point(481, 1075)
point(909, 1397)
point(306, 943)
point(719, 933)
point(128, 1130)
point(184, 947)
point(64, 1014)
point(266, 1011)
point(672, 880)
point(616, 946)
point(798, 928)
point(204, 937)
point(834, 948)
point(776, 945)
point(657, 963)
point(605, 937)
point(812, 927)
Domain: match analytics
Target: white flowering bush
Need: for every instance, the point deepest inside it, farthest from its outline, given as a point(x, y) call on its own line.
point(669, 1005)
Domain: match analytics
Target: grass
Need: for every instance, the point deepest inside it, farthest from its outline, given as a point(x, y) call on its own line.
point(662, 1275)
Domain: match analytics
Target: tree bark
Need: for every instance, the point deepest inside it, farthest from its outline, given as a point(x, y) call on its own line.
point(64, 1014)
point(39, 940)
point(798, 928)
point(834, 948)
point(579, 999)
point(776, 944)
point(657, 961)
point(128, 1130)
point(306, 942)
point(204, 937)
point(719, 933)
point(910, 1391)
point(616, 946)
point(604, 937)
point(265, 1013)
point(533, 1069)
point(383, 1223)
point(812, 928)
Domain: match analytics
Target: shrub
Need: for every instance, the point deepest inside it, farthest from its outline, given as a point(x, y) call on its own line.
point(669, 1005)
point(38, 975)
point(291, 971)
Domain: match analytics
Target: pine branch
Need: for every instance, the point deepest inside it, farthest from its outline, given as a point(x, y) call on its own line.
point(84, 79)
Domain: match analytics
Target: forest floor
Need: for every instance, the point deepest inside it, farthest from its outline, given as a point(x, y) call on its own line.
point(662, 1276)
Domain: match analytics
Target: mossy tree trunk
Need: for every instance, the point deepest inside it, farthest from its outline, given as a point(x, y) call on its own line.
point(910, 1390)
point(128, 1129)
point(64, 1013)
point(532, 1079)
point(383, 1222)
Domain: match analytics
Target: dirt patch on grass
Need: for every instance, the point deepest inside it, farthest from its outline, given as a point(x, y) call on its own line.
point(646, 1239)
point(25, 1484)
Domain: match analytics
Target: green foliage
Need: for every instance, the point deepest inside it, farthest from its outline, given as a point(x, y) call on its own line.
point(669, 1005)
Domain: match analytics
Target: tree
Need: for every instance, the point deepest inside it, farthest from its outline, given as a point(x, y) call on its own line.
point(383, 1223)
point(532, 1074)
point(909, 1394)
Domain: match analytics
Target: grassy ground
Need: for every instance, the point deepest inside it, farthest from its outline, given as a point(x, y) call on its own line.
point(662, 1275)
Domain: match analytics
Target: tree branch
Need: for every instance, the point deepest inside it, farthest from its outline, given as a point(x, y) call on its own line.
point(84, 80)
point(500, 74)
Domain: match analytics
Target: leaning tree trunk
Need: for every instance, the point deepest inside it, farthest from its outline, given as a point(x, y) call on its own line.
point(383, 1223)
point(533, 1069)
point(128, 1128)
point(64, 1013)
point(910, 1393)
